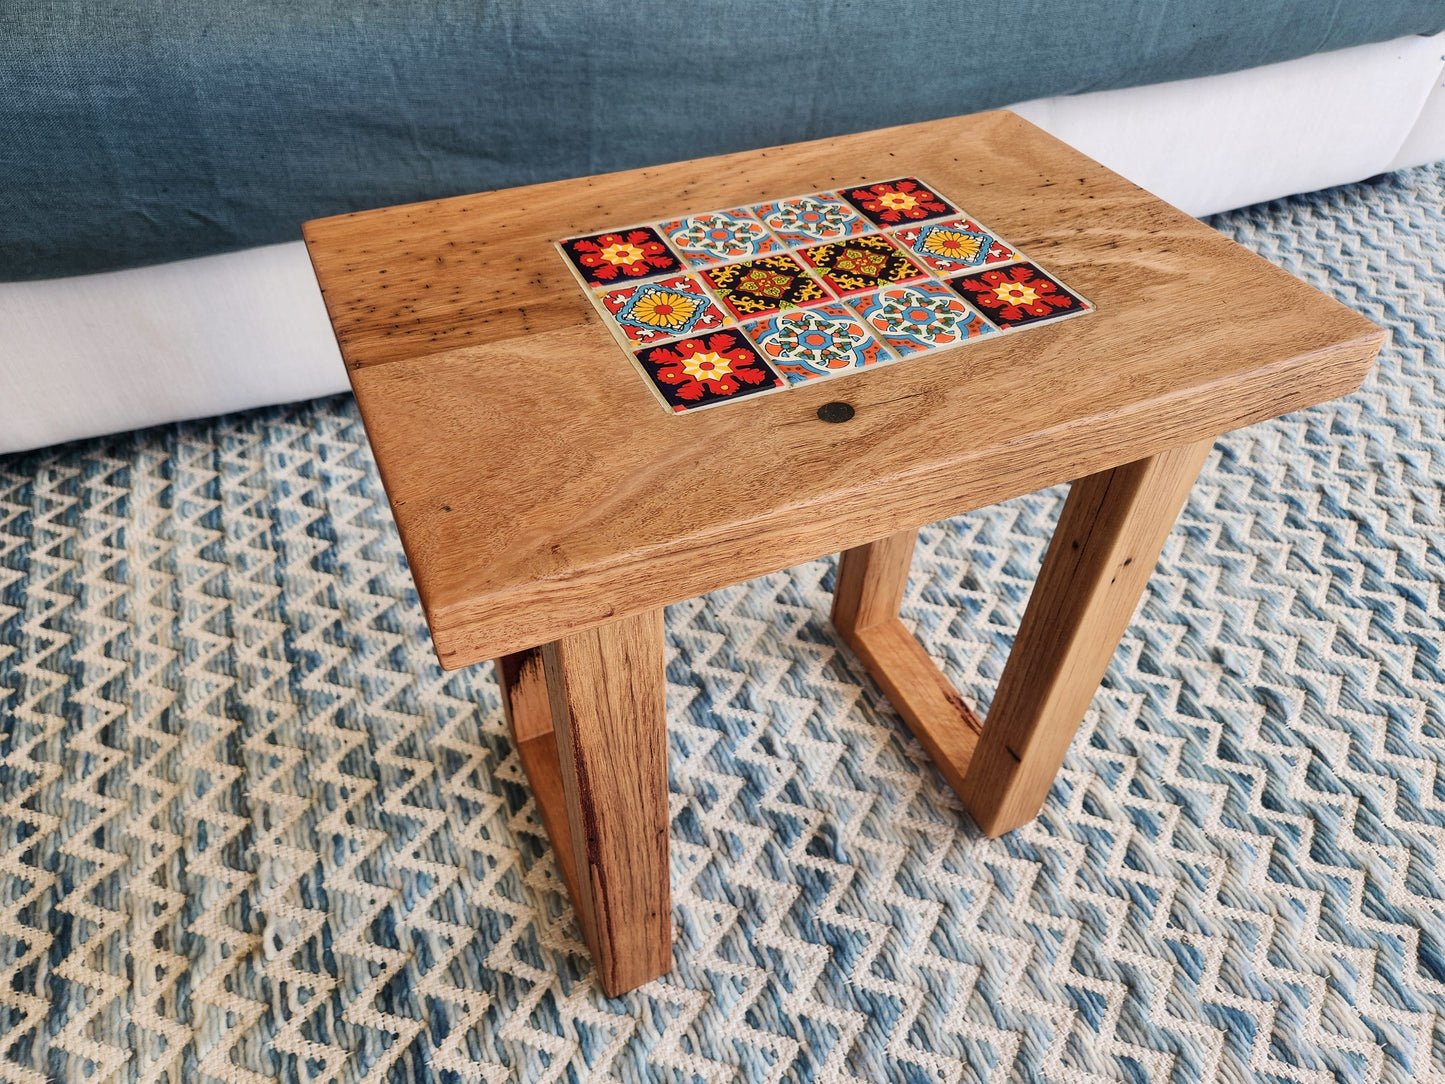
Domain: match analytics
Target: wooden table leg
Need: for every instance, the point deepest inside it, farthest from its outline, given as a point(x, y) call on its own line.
point(529, 714)
point(597, 761)
point(1104, 549)
point(1108, 539)
point(866, 598)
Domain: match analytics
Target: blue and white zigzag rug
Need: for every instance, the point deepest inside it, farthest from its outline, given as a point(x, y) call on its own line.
point(249, 831)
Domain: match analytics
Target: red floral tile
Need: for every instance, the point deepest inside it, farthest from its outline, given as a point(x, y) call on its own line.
point(758, 287)
point(649, 312)
point(719, 236)
point(1017, 295)
point(893, 203)
point(607, 258)
point(860, 263)
point(952, 246)
point(707, 369)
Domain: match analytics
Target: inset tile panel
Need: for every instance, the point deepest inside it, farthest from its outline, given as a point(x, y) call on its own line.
point(895, 203)
point(952, 246)
point(809, 344)
point(732, 303)
point(919, 316)
point(607, 258)
point(860, 263)
point(707, 369)
point(720, 236)
point(762, 286)
point(665, 309)
point(1017, 295)
point(807, 220)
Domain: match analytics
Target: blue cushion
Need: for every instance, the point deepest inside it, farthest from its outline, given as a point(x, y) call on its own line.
point(132, 134)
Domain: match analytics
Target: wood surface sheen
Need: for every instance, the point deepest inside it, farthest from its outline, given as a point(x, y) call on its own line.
point(540, 489)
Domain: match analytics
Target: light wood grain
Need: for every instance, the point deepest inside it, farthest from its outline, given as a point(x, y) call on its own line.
point(1104, 549)
point(524, 694)
point(871, 582)
point(870, 585)
point(935, 713)
point(528, 708)
point(609, 713)
point(540, 489)
point(544, 772)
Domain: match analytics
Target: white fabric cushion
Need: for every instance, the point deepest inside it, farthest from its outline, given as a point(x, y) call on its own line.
point(1226, 141)
point(125, 349)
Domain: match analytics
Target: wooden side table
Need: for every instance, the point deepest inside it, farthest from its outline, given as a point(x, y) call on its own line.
point(550, 504)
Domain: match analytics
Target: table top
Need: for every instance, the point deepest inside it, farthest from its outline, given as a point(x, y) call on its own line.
point(541, 485)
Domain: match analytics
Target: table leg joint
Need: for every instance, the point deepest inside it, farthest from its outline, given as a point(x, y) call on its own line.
point(1108, 539)
point(865, 612)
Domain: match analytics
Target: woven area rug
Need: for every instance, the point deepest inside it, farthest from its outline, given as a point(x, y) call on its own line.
point(251, 832)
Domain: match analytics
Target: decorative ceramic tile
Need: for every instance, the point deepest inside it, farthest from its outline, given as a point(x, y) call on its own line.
point(920, 316)
point(1018, 295)
point(707, 369)
point(952, 246)
point(720, 236)
point(807, 220)
point(806, 344)
point(716, 306)
point(607, 258)
point(666, 309)
point(893, 203)
point(758, 287)
point(860, 263)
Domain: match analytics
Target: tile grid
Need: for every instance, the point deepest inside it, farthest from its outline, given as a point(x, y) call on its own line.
point(694, 273)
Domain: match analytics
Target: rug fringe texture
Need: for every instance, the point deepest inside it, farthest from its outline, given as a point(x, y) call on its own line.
point(250, 832)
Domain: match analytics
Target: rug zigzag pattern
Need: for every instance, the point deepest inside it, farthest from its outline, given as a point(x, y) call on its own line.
point(249, 831)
